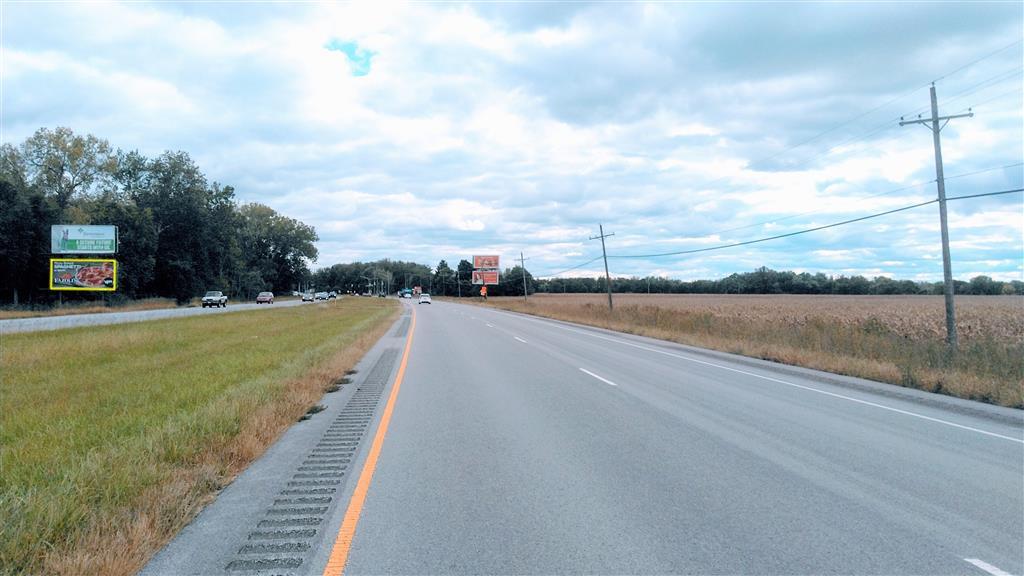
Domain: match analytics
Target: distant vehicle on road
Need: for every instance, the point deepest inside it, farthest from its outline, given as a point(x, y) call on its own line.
point(265, 298)
point(424, 298)
point(321, 296)
point(215, 298)
point(407, 295)
point(307, 296)
point(332, 294)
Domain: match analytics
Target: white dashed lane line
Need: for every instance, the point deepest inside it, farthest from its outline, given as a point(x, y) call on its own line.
point(987, 567)
point(605, 380)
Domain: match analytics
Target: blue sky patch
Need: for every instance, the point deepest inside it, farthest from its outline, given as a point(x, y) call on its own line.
point(358, 58)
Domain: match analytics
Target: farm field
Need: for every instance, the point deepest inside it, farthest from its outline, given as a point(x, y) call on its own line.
point(113, 437)
point(895, 339)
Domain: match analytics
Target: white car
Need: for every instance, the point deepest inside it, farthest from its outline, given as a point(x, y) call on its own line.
point(424, 298)
point(215, 298)
point(321, 295)
point(307, 296)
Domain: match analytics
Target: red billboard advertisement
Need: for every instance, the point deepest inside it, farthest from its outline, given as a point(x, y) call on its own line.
point(83, 274)
point(485, 277)
point(485, 261)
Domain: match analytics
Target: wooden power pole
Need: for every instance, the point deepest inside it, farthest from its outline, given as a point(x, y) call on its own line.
point(947, 269)
point(607, 277)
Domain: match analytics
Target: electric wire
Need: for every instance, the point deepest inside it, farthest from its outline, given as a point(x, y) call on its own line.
point(879, 128)
point(994, 98)
point(816, 228)
point(969, 64)
point(887, 125)
point(887, 192)
point(592, 260)
point(991, 82)
point(833, 225)
point(992, 169)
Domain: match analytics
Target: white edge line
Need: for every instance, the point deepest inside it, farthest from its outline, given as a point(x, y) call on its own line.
point(987, 567)
point(520, 339)
point(605, 380)
point(809, 388)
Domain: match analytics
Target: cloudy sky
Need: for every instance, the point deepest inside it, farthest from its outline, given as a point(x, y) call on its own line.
point(425, 131)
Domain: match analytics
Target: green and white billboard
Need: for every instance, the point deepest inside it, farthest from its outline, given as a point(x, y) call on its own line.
point(83, 239)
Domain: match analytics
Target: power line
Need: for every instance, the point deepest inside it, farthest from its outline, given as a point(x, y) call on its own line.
point(992, 169)
point(816, 228)
point(774, 220)
point(1000, 193)
point(578, 266)
point(887, 192)
point(969, 64)
point(991, 81)
point(881, 127)
point(994, 98)
point(964, 175)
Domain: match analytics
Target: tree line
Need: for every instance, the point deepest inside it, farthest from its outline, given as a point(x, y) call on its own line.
point(443, 280)
point(767, 281)
point(178, 233)
point(391, 276)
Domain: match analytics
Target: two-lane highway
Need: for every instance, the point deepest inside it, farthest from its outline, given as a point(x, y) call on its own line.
point(476, 441)
point(520, 445)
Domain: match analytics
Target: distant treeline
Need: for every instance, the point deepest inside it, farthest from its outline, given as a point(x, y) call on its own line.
point(768, 281)
point(445, 281)
point(178, 234)
point(388, 276)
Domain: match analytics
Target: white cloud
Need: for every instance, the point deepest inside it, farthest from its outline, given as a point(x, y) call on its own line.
point(478, 130)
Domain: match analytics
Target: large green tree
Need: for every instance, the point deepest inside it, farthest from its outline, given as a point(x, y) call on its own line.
point(274, 246)
point(178, 234)
point(62, 164)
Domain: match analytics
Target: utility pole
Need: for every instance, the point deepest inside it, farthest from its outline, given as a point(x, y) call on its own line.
point(947, 270)
point(522, 265)
point(607, 277)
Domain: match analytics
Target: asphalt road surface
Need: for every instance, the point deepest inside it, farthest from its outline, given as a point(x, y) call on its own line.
point(76, 320)
point(528, 446)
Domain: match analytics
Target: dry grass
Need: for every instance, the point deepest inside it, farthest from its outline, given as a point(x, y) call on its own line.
point(115, 437)
point(895, 339)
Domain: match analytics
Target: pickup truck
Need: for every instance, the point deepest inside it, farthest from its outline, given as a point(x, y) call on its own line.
point(215, 298)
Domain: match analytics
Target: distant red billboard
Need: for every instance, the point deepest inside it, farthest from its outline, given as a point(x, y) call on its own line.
point(485, 262)
point(485, 277)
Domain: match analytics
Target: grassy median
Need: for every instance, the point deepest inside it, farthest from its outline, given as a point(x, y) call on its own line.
point(114, 437)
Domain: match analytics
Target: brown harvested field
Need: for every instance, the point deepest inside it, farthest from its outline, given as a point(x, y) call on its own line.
point(896, 339)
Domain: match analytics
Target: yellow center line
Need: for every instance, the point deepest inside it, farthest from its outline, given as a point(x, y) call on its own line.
point(343, 542)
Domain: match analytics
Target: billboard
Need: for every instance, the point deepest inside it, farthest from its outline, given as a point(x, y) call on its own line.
point(82, 239)
point(485, 262)
point(83, 274)
point(485, 277)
